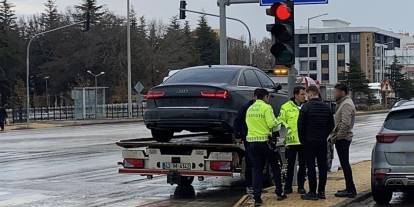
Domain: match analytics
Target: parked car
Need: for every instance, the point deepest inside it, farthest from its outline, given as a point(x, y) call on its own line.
point(205, 99)
point(393, 154)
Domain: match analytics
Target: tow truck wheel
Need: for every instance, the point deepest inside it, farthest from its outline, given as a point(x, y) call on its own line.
point(162, 135)
point(186, 180)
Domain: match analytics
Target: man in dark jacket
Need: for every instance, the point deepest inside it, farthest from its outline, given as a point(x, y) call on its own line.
point(3, 117)
point(240, 132)
point(315, 123)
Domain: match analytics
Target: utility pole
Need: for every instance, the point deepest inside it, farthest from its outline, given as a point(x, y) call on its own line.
point(129, 61)
point(223, 33)
point(46, 91)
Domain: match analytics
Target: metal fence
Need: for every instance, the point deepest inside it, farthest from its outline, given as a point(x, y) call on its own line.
point(111, 111)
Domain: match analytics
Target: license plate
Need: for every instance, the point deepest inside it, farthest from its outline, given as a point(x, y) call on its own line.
point(176, 166)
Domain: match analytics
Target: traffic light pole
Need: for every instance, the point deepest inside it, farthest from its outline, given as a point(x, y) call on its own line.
point(223, 33)
point(28, 65)
point(234, 19)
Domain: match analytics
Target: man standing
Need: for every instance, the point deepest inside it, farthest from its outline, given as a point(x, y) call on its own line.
point(3, 117)
point(261, 121)
point(342, 136)
point(289, 114)
point(315, 123)
point(240, 132)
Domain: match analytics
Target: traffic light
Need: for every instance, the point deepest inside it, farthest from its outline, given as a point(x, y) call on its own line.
point(183, 5)
point(283, 33)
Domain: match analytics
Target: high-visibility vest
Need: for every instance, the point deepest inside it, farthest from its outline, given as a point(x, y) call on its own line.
point(260, 121)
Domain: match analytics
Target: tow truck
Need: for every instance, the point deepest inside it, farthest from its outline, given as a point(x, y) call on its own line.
point(185, 157)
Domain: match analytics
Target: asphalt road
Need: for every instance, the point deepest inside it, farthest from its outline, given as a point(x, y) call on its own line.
point(76, 166)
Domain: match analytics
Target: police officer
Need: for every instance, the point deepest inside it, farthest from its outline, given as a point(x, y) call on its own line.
point(240, 131)
point(260, 121)
point(289, 114)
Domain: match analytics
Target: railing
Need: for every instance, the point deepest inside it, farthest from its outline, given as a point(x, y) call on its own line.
point(111, 111)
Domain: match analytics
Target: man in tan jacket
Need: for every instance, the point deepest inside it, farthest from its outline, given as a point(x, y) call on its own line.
point(342, 135)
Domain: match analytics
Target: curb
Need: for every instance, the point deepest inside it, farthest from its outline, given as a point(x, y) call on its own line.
point(360, 197)
point(241, 201)
point(363, 113)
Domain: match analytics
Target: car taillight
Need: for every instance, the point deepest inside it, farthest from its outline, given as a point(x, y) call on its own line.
point(133, 163)
point(220, 165)
point(215, 94)
point(380, 174)
point(154, 94)
point(387, 138)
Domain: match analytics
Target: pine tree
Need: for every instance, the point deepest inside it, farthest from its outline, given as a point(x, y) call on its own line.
point(355, 78)
point(207, 43)
point(91, 7)
point(396, 76)
point(7, 16)
point(50, 18)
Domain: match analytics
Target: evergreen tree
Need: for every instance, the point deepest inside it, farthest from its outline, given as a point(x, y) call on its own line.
point(7, 16)
point(91, 7)
point(207, 43)
point(396, 76)
point(50, 18)
point(355, 78)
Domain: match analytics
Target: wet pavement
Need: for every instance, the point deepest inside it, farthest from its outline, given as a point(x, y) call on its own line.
point(76, 166)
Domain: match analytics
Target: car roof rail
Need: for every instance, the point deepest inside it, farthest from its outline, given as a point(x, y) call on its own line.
point(400, 103)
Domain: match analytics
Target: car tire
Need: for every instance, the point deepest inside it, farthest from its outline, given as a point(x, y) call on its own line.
point(381, 196)
point(162, 135)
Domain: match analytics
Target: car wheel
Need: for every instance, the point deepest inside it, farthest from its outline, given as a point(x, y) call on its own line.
point(381, 196)
point(162, 135)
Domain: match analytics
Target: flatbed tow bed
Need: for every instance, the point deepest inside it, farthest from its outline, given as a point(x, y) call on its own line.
point(182, 159)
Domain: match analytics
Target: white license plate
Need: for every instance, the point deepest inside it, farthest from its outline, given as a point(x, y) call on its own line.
point(176, 166)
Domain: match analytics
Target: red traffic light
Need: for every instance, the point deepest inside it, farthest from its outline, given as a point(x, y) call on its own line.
point(281, 11)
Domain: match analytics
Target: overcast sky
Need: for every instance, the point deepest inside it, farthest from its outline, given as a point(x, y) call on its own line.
point(393, 15)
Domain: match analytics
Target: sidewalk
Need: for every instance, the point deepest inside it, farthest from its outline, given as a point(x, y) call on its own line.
point(362, 113)
point(67, 123)
point(361, 173)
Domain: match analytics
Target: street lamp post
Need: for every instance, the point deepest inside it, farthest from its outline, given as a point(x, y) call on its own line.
point(309, 19)
point(129, 61)
point(46, 91)
point(96, 89)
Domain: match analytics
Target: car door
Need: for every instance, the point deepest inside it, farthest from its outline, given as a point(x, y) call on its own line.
point(276, 99)
point(247, 83)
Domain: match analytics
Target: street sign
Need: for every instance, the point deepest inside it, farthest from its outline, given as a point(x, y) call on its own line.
point(139, 87)
point(297, 2)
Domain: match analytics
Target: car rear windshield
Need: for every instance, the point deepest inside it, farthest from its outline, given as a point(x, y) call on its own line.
point(400, 120)
point(203, 76)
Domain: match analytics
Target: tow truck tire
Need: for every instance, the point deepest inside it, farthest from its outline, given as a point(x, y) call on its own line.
point(162, 135)
point(186, 180)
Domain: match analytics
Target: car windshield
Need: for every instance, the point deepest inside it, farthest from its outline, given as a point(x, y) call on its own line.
point(400, 120)
point(203, 76)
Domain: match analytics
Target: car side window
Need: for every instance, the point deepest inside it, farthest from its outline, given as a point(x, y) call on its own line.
point(251, 79)
point(242, 80)
point(265, 80)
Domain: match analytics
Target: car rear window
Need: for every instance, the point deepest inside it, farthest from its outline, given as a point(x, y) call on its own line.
point(203, 76)
point(400, 120)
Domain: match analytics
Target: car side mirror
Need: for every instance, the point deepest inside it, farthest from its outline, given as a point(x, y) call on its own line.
point(277, 87)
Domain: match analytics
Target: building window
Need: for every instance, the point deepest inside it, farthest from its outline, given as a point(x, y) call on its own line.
point(341, 49)
point(354, 38)
point(325, 77)
point(325, 63)
point(303, 38)
point(325, 37)
point(314, 39)
point(312, 65)
point(313, 52)
point(341, 63)
point(303, 52)
point(303, 66)
point(324, 49)
point(339, 36)
point(313, 76)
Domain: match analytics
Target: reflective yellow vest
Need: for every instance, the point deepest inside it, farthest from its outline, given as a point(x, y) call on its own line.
point(260, 121)
point(289, 115)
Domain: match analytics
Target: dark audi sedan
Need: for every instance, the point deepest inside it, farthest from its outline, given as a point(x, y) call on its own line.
point(205, 99)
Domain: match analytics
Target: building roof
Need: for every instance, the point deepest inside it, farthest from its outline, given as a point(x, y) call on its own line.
point(347, 29)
